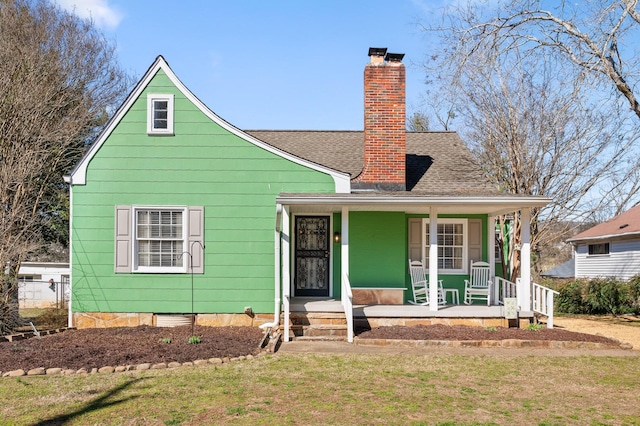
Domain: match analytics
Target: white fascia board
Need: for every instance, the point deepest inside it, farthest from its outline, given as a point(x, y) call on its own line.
point(341, 180)
point(500, 203)
point(603, 237)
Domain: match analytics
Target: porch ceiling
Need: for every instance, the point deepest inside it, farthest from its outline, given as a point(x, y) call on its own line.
point(417, 204)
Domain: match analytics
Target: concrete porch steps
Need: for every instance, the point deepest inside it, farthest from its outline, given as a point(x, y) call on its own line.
point(317, 325)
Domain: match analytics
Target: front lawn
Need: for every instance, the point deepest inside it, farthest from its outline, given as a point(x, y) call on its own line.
point(341, 389)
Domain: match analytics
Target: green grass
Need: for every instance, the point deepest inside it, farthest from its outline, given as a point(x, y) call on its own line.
point(341, 389)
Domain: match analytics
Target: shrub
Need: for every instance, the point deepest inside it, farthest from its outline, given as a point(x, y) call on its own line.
point(607, 296)
point(634, 294)
point(570, 300)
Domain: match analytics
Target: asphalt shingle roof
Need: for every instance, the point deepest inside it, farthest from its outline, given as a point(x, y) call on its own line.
point(437, 162)
point(627, 223)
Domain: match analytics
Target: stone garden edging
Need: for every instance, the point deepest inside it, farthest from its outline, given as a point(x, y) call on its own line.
point(506, 343)
point(121, 368)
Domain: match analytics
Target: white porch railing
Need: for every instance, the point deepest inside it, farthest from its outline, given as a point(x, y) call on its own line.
point(542, 297)
point(543, 302)
point(347, 304)
point(505, 288)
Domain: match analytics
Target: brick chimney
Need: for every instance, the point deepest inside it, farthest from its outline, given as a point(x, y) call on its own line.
point(384, 123)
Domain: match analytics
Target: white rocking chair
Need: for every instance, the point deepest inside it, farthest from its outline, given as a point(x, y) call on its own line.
point(478, 286)
point(420, 285)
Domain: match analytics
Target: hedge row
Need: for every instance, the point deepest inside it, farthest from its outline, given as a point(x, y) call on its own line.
point(599, 297)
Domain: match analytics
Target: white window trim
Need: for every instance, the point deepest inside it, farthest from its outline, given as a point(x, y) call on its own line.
point(134, 252)
point(159, 97)
point(608, 254)
point(465, 244)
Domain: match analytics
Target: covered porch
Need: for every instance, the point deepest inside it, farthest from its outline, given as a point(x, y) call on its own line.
point(347, 209)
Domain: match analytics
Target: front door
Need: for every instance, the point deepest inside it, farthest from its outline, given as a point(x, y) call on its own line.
point(312, 256)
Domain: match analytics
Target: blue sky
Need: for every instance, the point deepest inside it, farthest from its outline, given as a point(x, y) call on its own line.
point(279, 64)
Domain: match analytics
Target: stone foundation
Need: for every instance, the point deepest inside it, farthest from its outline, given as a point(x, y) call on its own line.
point(129, 319)
point(408, 322)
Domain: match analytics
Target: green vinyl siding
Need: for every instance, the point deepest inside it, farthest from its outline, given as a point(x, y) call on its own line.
point(456, 281)
point(377, 249)
point(202, 164)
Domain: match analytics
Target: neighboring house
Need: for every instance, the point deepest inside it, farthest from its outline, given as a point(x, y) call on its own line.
point(176, 211)
point(563, 271)
point(610, 249)
point(43, 284)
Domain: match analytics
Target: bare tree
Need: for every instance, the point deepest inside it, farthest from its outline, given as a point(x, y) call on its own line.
point(596, 36)
point(418, 122)
point(58, 78)
point(537, 130)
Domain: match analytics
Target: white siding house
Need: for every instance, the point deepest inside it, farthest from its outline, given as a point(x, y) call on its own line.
point(43, 284)
point(610, 249)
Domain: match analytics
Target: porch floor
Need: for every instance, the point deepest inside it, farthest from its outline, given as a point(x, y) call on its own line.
point(303, 304)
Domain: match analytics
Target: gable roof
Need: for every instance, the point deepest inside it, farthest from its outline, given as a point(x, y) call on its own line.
point(437, 162)
point(78, 174)
point(626, 224)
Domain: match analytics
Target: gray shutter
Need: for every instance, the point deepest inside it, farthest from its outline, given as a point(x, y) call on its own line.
point(123, 243)
point(415, 239)
point(196, 238)
point(475, 240)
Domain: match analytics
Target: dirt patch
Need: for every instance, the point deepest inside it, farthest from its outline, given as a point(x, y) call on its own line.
point(99, 347)
point(624, 329)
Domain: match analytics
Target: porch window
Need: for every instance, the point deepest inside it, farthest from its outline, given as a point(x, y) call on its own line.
point(159, 114)
point(452, 245)
point(598, 249)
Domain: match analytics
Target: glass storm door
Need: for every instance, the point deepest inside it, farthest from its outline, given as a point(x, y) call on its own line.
point(312, 256)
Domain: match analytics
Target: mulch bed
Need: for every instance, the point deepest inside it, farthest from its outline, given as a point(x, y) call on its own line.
point(100, 347)
point(463, 332)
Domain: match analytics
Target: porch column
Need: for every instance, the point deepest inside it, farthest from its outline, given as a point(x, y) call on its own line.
point(433, 259)
point(344, 249)
point(524, 291)
point(491, 235)
point(286, 268)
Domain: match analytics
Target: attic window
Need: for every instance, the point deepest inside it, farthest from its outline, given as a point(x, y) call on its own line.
point(159, 114)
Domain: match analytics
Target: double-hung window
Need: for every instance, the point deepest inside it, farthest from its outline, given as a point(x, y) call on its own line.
point(159, 114)
point(159, 239)
point(452, 245)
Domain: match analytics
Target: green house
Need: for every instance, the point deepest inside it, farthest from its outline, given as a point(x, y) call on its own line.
point(176, 213)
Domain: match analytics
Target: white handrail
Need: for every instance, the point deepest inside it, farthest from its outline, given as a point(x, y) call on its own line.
point(543, 302)
point(347, 303)
point(286, 307)
point(505, 288)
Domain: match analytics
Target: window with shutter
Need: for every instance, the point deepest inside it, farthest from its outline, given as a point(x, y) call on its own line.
point(453, 245)
point(159, 239)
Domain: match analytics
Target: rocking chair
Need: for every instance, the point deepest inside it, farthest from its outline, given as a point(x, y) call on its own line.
point(420, 285)
point(478, 286)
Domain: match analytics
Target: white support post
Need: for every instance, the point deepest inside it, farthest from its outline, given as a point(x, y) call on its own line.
point(491, 235)
point(433, 259)
point(286, 268)
point(524, 292)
